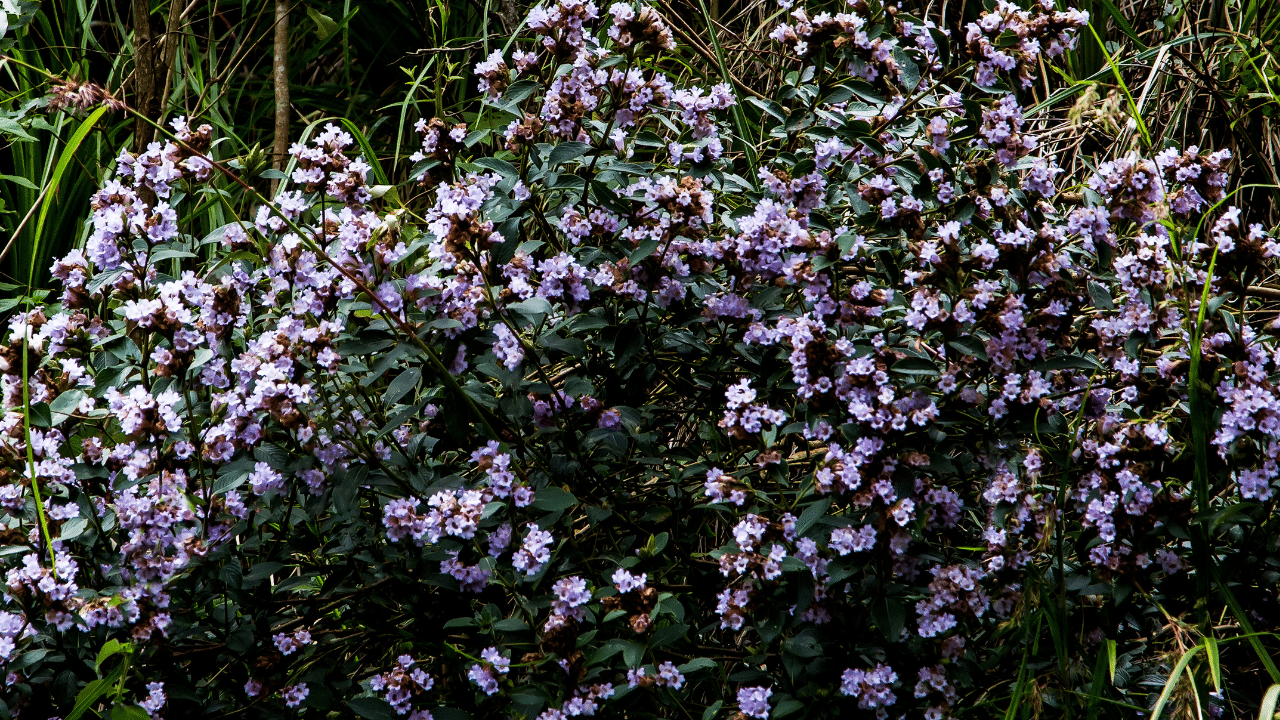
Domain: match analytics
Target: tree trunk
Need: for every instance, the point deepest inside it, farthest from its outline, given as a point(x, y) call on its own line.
point(146, 98)
point(172, 41)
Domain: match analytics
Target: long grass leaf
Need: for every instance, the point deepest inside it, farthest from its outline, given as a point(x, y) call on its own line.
point(1241, 617)
point(1172, 682)
point(1125, 27)
point(739, 120)
point(1111, 660)
point(1268, 709)
point(1078, 86)
point(64, 161)
point(1133, 106)
point(1215, 661)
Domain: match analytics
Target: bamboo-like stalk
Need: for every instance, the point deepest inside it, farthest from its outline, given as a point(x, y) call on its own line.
point(172, 40)
point(281, 75)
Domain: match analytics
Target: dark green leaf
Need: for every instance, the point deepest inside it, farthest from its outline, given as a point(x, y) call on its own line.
point(889, 616)
point(668, 635)
point(552, 498)
point(40, 415)
point(915, 366)
point(786, 707)
point(971, 346)
point(110, 648)
point(1101, 296)
point(811, 515)
point(169, 254)
point(498, 165)
point(372, 708)
point(262, 571)
point(129, 712)
point(404, 382)
point(566, 151)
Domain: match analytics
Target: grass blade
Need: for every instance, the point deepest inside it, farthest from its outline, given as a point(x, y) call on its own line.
point(1215, 662)
point(68, 153)
point(1172, 682)
point(1133, 106)
point(739, 120)
point(1268, 709)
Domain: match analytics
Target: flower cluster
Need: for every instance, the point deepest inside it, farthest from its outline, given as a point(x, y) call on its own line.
point(611, 403)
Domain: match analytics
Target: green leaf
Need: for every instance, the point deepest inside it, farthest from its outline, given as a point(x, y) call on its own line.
point(104, 278)
point(169, 254)
point(64, 160)
point(110, 648)
point(371, 708)
point(11, 127)
point(262, 571)
point(502, 167)
point(29, 658)
point(552, 498)
point(1101, 296)
point(230, 478)
point(535, 308)
point(569, 346)
point(633, 654)
point(512, 624)
point(889, 616)
point(129, 712)
point(787, 707)
point(811, 515)
point(404, 382)
point(1215, 661)
point(519, 90)
point(698, 664)
point(94, 691)
point(908, 71)
point(40, 415)
point(67, 402)
point(1111, 659)
point(73, 528)
point(566, 151)
point(325, 25)
point(668, 635)
point(643, 250)
point(18, 180)
point(915, 366)
point(971, 346)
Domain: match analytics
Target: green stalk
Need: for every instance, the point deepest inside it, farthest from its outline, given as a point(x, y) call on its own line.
point(1133, 107)
point(1200, 443)
point(1199, 429)
point(31, 454)
point(63, 161)
point(739, 120)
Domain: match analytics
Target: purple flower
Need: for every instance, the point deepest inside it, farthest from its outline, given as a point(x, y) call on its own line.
point(754, 701)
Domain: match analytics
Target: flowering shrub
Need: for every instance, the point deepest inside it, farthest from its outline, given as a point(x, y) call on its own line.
point(610, 422)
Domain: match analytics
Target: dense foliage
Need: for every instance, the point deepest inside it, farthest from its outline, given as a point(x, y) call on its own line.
point(609, 412)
